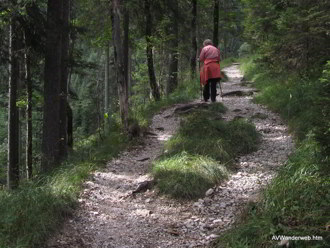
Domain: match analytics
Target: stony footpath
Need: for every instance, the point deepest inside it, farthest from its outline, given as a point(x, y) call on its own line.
point(110, 216)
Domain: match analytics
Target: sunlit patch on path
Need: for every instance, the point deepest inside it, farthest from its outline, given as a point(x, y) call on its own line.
point(111, 216)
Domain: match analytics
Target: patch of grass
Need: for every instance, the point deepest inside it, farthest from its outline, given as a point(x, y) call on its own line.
point(30, 214)
point(187, 176)
point(27, 215)
point(199, 155)
point(297, 203)
point(205, 134)
point(292, 96)
point(228, 61)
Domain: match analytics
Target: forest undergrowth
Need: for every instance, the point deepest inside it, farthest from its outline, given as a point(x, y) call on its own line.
point(33, 212)
point(297, 203)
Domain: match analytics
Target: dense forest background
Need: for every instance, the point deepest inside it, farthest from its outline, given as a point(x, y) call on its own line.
point(160, 41)
point(76, 73)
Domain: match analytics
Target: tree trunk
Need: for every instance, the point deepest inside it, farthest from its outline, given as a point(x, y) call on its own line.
point(106, 80)
point(13, 119)
point(193, 39)
point(126, 47)
point(150, 61)
point(119, 63)
point(52, 87)
point(69, 126)
point(65, 36)
point(106, 89)
point(216, 23)
point(174, 46)
point(28, 148)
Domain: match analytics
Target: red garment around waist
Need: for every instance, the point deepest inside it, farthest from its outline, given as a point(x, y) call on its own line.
point(210, 69)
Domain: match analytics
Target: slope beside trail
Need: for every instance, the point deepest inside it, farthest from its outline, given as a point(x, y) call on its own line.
point(110, 217)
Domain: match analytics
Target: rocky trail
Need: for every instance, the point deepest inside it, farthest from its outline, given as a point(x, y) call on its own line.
point(110, 216)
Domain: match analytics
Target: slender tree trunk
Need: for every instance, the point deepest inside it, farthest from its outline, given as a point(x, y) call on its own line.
point(28, 148)
point(52, 87)
point(150, 61)
point(69, 126)
point(126, 47)
point(106, 88)
point(106, 80)
point(193, 39)
point(216, 23)
point(65, 36)
point(13, 117)
point(119, 63)
point(174, 46)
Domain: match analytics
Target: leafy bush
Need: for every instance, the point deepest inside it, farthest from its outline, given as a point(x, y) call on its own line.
point(323, 130)
point(244, 50)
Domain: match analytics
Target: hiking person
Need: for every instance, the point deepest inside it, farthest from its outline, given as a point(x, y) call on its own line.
point(210, 73)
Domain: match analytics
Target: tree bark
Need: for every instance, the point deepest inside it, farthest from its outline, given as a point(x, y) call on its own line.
point(65, 38)
point(174, 46)
point(52, 87)
point(69, 126)
point(126, 47)
point(28, 147)
point(106, 80)
point(193, 39)
point(216, 23)
point(106, 89)
point(13, 117)
point(119, 63)
point(150, 61)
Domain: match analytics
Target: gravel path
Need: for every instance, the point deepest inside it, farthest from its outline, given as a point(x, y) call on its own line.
point(109, 216)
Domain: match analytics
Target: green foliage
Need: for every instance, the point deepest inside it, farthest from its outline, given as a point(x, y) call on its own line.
point(187, 90)
point(29, 215)
point(296, 204)
point(244, 50)
point(187, 176)
point(296, 99)
point(323, 101)
point(290, 35)
point(197, 157)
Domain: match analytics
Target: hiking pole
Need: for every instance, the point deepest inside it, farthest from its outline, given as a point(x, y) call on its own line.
point(220, 90)
point(200, 85)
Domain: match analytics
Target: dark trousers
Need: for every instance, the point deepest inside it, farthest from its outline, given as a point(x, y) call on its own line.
point(206, 91)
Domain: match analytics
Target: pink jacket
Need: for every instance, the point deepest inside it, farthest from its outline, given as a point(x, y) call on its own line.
point(209, 52)
point(210, 55)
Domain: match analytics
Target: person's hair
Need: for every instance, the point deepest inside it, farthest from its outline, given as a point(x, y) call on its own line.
point(207, 42)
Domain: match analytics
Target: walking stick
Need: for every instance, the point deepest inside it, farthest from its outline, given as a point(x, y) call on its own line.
point(220, 90)
point(200, 85)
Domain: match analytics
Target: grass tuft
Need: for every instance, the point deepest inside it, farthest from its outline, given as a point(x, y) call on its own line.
point(199, 156)
point(203, 134)
point(297, 203)
point(187, 176)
